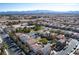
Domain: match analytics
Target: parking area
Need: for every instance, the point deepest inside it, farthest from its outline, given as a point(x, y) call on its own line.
point(12, 47)
point(69, 48)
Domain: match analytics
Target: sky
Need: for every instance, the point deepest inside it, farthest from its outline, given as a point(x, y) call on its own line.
point(38, 6)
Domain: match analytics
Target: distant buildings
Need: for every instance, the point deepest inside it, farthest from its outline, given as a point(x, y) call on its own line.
point(61, 33)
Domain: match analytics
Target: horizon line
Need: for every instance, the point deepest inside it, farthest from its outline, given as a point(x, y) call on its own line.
point(39, 10)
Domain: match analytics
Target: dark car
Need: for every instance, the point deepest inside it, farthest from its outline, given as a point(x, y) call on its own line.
point(17, 48)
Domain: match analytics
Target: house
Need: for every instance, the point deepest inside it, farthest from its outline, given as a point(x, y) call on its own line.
point(36, 48)
point(47, 49)
point(31, 26)
point(23, 37)
point(60, 36)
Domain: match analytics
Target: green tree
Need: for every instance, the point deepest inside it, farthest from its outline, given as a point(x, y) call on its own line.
point(43, 40)
point(37, 27)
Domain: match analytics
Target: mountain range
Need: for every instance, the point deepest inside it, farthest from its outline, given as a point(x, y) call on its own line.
point(39, 12)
